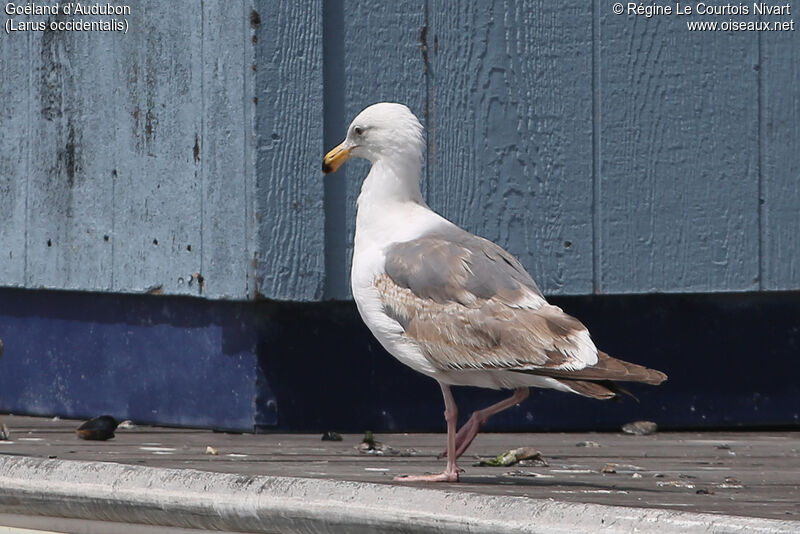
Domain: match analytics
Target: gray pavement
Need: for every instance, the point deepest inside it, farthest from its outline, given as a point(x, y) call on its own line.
point(290, 483)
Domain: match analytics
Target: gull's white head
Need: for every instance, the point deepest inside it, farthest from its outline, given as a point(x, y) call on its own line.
point(384, 131)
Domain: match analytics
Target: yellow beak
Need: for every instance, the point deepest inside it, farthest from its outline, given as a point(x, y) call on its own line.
point(334, 159)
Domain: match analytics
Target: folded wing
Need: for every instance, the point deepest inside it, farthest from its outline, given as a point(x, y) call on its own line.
point(469, 304)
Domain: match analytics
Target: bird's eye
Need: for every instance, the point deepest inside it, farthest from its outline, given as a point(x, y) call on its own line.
point(358, 130)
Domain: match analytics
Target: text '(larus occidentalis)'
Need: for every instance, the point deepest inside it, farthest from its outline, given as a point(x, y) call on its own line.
point(452, 305)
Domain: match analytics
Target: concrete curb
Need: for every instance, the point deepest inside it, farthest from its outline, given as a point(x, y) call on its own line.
point(199, 499)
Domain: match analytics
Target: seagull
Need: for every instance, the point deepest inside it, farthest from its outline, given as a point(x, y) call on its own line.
point(450, 304)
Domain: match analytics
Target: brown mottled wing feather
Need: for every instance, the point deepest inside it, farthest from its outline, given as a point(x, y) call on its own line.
point(471, 305)
point(492, 336)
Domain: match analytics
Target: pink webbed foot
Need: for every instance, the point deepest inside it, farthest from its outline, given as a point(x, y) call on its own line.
point(446, 476)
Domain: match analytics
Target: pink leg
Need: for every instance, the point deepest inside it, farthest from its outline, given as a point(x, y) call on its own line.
point(470, 429)
point(451, 471)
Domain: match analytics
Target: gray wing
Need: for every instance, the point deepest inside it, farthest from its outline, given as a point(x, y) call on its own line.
point(469, 304)
point(460, 267)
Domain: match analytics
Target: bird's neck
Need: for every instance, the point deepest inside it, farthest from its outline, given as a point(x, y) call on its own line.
point(391, 181)
point(390, 207)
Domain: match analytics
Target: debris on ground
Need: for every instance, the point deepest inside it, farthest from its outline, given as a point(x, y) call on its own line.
point(726, 447)
point(704, 491)
point(331, 436)
point(212, 451)
point(98, 428)
point(524, 456)
point(127, 424)
point(675, 484)
point(636, 475)
point(640, 428)
point(613, 467)
point(730, 483)
point(368, 445)
point(5, 435)
point(587, 444)
point(609, 469)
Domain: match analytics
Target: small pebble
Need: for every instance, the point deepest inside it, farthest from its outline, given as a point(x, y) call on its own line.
point(640, 428)
point(587, 444)
point(331, 436)
point(212, 451)
point(609, 469)
point(537, 461)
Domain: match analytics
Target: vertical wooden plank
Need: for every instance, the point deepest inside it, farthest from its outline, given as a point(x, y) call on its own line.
point(780, 229)
point(158, 175)
point(249, 149)
point(14, 146)
point(226, 170)
point(511, 155)
point(679, 157)
point(383, 62)
point(334, 187)
point(288, 132)
point(70, 206)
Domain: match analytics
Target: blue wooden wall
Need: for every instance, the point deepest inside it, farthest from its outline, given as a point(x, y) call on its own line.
point(611, 154)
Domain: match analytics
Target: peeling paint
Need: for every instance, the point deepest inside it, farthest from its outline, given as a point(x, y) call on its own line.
point(255, 19)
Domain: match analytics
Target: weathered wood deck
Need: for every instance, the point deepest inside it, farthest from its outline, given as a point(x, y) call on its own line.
point(755, 474)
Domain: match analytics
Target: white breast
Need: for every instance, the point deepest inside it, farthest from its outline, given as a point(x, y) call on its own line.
point(389, 332)
point(376, 230)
